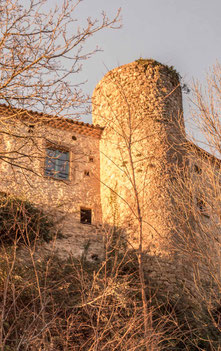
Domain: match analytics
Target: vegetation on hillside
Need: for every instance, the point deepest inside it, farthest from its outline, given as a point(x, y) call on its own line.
point(52, 304)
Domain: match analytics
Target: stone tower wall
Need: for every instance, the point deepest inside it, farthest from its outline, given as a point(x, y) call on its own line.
point(133, 168)
point(140, 106)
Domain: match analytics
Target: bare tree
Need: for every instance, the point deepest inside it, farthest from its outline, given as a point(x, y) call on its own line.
point(134, 110)
point(41, 56)
point(206, 105)
point(41, 53)
point(149, 163)
point(196, 193)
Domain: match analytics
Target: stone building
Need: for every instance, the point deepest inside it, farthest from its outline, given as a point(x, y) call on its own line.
point(129, 169)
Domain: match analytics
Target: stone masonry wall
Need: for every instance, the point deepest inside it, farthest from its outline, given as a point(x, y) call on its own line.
point(24, 176)
point(140, 107)
point(136, 175)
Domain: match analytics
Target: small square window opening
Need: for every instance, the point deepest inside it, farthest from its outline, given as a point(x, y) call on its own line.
point(31, 128)
point(197, 169)
point(87, 173)
point(85, 216)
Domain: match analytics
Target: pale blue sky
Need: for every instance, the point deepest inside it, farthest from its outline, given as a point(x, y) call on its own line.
point(185, 34)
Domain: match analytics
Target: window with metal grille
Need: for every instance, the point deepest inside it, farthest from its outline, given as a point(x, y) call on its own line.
point(57, 163)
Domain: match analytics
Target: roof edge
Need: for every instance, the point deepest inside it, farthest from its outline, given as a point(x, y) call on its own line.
point(54, 121)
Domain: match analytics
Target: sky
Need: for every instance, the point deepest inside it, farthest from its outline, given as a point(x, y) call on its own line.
point(184, 34)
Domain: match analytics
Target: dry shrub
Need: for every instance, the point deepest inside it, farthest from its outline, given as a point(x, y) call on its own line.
point(54, 304)
point(22, 222)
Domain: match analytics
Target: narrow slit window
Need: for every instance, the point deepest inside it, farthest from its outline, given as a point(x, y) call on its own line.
point(85, 216)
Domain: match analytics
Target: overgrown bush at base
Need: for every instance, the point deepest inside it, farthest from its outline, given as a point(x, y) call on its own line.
point(21, 222)
point(70, 305)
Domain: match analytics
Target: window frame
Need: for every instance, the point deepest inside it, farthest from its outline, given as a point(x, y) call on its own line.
point(55, 175)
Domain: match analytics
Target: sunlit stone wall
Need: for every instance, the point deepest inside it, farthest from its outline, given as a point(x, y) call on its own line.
point(23, 175)
point(142, 145)
point(140, 106)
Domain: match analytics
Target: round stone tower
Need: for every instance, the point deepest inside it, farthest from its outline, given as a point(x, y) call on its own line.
point(139, 105)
